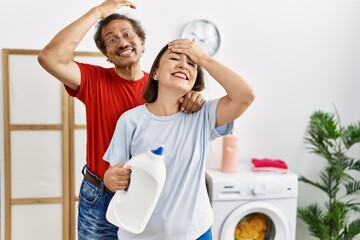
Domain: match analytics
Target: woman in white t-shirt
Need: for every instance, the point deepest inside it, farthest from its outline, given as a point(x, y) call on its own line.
point(183, 210)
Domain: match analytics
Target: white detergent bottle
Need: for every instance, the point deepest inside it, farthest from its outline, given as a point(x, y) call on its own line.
point(131, 209)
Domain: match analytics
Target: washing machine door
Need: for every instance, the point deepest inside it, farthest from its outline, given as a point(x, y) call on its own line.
point(248, 222)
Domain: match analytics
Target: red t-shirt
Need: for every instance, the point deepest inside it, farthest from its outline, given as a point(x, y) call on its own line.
point(106, 96)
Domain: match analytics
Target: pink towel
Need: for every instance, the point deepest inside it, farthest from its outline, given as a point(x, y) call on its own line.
point(267, 164)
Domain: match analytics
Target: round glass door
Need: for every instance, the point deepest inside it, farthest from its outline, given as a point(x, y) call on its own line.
point(257, 226)
point(255, 221)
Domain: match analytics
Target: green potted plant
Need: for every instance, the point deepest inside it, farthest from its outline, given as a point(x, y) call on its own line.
point(329, 139)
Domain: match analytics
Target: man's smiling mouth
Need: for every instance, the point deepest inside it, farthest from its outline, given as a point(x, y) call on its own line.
point(124, 52)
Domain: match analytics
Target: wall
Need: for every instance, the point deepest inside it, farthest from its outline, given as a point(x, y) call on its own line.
point(299, 55)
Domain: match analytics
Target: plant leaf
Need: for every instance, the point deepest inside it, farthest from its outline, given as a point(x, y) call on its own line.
point(352, 187)
point(315, 184)
point(351, 135)
point(352, 230)
point(355, 165)
point(313, 215)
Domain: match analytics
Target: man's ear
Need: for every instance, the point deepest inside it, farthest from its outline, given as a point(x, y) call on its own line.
point(107, 58)
point(143, 47)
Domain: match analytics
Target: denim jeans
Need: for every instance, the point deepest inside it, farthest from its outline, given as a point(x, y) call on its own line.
point(93, 203)
point(206, 236)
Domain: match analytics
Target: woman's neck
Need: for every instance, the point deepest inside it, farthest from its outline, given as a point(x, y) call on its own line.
point(164, 108)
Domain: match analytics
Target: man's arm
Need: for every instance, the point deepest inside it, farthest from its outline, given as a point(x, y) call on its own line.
point(57, 56)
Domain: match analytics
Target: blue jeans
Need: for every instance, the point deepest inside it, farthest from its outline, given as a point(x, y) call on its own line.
point(93, 203)
point(206, 236)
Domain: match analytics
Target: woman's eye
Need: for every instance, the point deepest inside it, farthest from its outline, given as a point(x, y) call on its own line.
point(174, 58)
point(191, 64)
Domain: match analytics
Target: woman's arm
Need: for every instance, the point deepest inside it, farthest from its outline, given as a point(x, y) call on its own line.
point(239, 93)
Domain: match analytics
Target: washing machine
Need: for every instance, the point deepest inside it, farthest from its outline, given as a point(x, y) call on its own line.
point(253, 205)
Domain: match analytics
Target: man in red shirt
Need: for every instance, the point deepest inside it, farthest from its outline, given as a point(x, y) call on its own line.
point(106, 93)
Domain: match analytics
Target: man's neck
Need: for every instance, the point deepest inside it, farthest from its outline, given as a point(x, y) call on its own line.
point(129, 73)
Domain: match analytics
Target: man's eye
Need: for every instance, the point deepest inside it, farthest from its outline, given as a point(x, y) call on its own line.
point(174, 58)
point(127, 35)
point(112, 40)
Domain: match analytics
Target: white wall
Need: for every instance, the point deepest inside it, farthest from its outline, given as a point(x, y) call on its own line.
point(299, 55)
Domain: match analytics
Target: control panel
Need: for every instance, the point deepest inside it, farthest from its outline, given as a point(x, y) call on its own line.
point(262, 186)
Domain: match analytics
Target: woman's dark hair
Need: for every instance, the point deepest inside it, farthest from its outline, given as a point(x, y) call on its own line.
point(151, 90)
point(99, 41)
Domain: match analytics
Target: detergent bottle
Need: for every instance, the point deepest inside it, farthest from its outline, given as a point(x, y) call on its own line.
point(131, 209)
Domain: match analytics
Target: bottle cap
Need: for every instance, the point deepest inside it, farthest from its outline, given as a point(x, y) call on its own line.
point(158, 151)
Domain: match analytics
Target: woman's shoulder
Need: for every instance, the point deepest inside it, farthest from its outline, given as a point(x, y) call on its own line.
point(210, 104)
point(130, 118)
point(134, 112)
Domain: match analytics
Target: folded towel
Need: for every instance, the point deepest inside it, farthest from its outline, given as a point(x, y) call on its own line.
point(267, 164)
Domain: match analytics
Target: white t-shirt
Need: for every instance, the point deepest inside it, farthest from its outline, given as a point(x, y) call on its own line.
point(183, 210)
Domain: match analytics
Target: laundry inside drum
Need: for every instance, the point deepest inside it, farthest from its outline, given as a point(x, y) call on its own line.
point(255, 226)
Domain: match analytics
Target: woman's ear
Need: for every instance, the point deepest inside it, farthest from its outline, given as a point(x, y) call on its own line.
point(156, 76)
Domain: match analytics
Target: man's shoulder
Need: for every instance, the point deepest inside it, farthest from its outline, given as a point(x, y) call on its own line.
point(92, 66)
